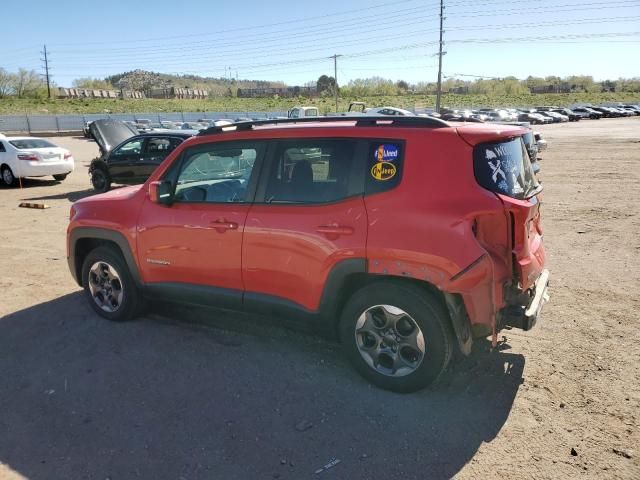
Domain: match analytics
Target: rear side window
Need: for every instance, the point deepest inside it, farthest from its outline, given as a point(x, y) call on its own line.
point(312, 171)
point(2, 149)
point(505, 168)
point(384, 165)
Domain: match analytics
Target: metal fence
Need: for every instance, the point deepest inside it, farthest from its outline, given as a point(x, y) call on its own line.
point(66, 123)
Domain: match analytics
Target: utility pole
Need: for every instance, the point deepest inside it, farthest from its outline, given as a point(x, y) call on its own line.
point(440, 54)
point(335, 77)
point(46, 69)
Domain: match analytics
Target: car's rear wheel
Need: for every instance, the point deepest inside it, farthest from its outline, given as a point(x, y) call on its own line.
point(397, 336)
point(100, 180)
point(109, 286)
point(7, 176)
point(60, 177)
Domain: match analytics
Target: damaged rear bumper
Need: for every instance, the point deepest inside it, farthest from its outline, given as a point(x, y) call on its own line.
point(526, 316)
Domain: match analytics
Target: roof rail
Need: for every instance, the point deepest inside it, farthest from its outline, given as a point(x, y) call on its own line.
point(360, 121)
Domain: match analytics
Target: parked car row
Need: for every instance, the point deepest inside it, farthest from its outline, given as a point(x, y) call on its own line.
point(540, 115)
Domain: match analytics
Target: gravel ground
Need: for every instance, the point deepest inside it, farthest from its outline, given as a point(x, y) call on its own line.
point(202, 394)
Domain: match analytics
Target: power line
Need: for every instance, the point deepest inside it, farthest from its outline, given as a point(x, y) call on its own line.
point(284, 51)
point(248, 39)
point(282, 36)
point(239, 29)
point(545, 37)
point(245, 67)
point(556, 8)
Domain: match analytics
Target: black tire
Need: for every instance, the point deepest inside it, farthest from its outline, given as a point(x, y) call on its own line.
point(425, 309)
point(60, 177)
point(100, 180)
point(6, 176)
point(131, 303)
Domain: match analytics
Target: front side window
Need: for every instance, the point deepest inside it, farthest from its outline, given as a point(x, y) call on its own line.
point(217, 173)
point(311, 171)
point(2, 149)
point(134, 147)
point(505, 168)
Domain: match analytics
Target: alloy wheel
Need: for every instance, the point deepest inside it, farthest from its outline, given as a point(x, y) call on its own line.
point(389, 340)
point(105, 286)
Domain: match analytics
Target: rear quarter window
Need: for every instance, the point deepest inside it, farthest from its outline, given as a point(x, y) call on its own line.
point(505, 168)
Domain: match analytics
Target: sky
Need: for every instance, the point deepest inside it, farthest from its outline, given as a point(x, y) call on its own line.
point(291, 41)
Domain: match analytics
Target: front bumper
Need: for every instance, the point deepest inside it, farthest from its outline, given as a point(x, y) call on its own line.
point(526, 316)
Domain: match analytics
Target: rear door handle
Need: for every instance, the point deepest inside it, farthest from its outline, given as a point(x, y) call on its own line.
point(334, 229)
point(222, 224)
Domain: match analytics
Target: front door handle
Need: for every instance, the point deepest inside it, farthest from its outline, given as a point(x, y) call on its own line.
point(334, 229)
point(222, 225)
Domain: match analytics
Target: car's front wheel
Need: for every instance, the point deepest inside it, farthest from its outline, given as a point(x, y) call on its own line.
point(109, 286)
point(100, 179)
point(397, 335)
point(7, 176)
point(60, 177)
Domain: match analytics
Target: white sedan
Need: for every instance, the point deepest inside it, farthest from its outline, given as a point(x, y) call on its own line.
point(389, 111)
point(32, 157)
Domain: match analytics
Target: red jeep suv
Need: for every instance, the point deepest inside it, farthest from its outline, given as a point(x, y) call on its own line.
point(404, 237)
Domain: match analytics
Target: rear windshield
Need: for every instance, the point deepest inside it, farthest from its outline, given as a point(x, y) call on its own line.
point(31, 143)
point(505, 168)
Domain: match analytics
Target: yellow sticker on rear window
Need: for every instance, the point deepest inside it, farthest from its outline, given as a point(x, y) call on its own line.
point(383, 171)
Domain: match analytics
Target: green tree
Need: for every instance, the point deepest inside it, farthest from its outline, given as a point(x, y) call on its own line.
point(325, 84)
point(26, 83)
point(6, 83)
point(402, 86)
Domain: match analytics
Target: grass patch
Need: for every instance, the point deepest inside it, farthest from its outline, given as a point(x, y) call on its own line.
point(23, 106)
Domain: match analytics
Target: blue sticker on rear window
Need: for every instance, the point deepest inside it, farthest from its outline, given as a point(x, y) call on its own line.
point(386, 153)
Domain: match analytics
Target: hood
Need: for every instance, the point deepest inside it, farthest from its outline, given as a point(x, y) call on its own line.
point(110, 133)
point(121, 193)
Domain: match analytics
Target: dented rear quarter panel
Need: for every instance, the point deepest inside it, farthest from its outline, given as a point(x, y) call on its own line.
point(423, 229)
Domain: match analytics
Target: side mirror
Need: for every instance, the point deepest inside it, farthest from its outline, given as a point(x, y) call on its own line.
point(160, 192)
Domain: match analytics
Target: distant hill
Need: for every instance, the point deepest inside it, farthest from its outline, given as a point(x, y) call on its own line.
point(144, 80)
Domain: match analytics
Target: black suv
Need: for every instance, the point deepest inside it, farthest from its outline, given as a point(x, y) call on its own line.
point(128, 157)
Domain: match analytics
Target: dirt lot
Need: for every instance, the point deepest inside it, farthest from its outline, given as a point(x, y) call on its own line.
point(194, 395)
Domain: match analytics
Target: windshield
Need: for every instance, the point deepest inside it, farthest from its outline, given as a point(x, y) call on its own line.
point(505, 168)
point(28, 143)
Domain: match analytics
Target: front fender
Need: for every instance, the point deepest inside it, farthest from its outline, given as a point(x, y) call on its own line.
point(101, 235)
point(98, 162)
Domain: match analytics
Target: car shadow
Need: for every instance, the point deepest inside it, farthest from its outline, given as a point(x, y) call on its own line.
point(32, 183)
point(172, 397)
point(71, 196)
